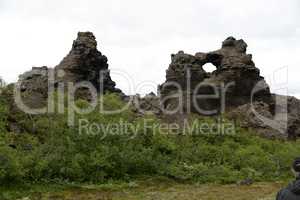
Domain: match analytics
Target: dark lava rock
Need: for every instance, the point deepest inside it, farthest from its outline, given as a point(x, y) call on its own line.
point(236, 79)
point(83, 63)
point(233, 67)
point(150, 104)
point(86, 63)
point(279, 118)
point(245, 182)
point(33, 87)
point(247, 95)
point(184, 72)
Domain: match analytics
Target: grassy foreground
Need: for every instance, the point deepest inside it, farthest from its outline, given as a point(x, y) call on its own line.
point(50, 160)
point(162, 189)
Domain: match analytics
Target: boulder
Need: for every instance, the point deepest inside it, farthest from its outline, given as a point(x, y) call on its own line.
point(280, 118)
point(33, 86)
point(149, 104)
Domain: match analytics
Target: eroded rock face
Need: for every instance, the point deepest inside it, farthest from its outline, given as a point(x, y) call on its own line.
point(33, 86)
point(150, 104)
point(86, 63)
point(292, 106)
point(235, 74)
point(279, 118)
point(83, 63)
point(235, 66)
point(184, 73)
point(238, 81)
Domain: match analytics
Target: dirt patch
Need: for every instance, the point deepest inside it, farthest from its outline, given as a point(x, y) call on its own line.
point(167, 191)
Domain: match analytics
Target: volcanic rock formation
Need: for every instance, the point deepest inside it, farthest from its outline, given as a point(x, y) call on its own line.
point(235, 74)
point(83, 63)
point(86, 63)
point(238, 88)
point(235, 88)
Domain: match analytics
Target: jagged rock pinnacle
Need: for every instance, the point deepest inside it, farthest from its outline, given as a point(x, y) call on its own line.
point(86, 63)
point(85, 40)
point(83, 63)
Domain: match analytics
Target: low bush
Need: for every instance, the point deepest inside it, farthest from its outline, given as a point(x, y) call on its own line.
point(55, 152)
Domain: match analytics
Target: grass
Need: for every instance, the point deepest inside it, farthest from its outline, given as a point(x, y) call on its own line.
point(51, 152)
point(147, 189)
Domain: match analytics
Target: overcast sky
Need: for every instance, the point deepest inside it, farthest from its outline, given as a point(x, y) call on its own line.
point(138, 36)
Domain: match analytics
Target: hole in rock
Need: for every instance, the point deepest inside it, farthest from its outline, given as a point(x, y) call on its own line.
point(208, 67)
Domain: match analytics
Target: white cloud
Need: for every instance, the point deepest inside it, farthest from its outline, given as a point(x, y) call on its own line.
point(138, 36)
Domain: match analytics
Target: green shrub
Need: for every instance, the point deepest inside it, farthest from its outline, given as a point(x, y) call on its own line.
point(10, 165)
point(53, 151)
